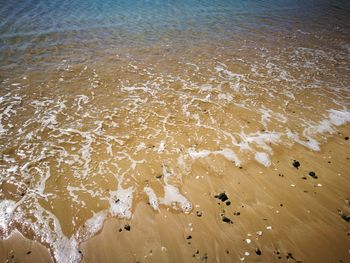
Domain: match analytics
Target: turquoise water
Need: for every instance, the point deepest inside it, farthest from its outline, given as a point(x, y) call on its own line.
point(36, 30)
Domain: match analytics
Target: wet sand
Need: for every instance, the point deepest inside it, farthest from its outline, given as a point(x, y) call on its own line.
point(276, 214)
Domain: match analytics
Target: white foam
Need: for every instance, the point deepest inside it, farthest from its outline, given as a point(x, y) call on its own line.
point(152, 198)
point(172, 197)
point(161, 147)
point(339, 117)
point(263, 158)
point(121, 201)
point(7, 207)
point(327, 125)
point(47, 227)
point(227, 153)
point(95, 223)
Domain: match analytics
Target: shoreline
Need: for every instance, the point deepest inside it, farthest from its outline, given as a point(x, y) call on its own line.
point(275, 211)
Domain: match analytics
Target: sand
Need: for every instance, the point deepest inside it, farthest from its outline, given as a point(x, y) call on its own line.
point(277, 214)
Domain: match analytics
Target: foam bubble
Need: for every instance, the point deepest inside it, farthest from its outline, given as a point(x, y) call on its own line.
point(172, 197)
point(7, 207)
point(263, 158)
point(121, 201)
point(152, 198)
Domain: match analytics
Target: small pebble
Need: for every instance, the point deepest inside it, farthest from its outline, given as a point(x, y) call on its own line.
point(226, 219)
point(127, 227)
point(269, 227)
point(248, 241)
point(313, 175)
point(259, 233)
point(296, 164)
point(223, 197)
point(258, 251)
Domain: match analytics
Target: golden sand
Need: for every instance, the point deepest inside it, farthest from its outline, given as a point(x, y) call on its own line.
point(280, 213)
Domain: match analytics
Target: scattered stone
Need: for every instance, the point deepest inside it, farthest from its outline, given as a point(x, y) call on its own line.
point(223, 197)
point(281, 205)
point(346, 138)
point(205, 257)
point(199, 214)
point(269, 227)
point(313, 175)
point(80, 252)
point(259, 233)
point(159, 176)
point(304, 178)
point(127, 227)
point(188, 237)
point(280, 175)
point(290, 256)
point(120, 230)
point(29, 252)
point(246, 253)
point(228, 203)
point(227, 252)
point(296, 164)
point(344, 216)
point(226, 220)
point(236, 213)
point(116, 201)
point(258, 251)
point(248, 241)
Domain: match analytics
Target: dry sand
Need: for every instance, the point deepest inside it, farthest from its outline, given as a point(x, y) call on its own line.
point(279, 212)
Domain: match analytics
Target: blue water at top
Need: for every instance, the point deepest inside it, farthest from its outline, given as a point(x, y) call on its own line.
point(28, 26)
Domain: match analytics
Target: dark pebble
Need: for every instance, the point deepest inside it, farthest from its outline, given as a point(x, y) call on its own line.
point(296, 164)
point(228, 202)
point(78, 251)
point(189, 237)
point(258, 251)
point(29, 252)
point(227, 252)
point(281, 205)
point(289, 255)
point(199, 214)
point(345, 217)
point(159, 176)
point(127, 227)
point(236, 213)
point(120, 230)
point(223, 197)
point(346, 138)
point(313, 175)
point(117, 200)
point(226, 219)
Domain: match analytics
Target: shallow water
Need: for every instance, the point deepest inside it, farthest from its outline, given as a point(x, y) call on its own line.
point(106, 103)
